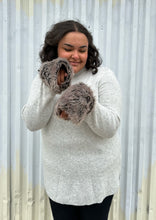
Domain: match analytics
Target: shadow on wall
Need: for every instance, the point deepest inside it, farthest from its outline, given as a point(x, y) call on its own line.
point(146, 208)
point(26, 201)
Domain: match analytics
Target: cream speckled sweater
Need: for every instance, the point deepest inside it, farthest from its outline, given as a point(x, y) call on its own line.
point(81, 162)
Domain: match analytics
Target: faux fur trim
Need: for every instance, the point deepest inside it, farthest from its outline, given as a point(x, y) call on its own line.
point(49, 72)
point(77, 101)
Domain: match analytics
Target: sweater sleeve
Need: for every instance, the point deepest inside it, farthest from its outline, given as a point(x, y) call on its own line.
point(39, 107)
point(104, 119)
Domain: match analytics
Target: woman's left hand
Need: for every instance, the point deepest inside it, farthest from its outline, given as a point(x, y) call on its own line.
point(64, 115)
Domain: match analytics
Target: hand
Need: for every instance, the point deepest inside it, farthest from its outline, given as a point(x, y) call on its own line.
point(61, 76)
point(76, 102)
point(56, 74)
point(63, 115)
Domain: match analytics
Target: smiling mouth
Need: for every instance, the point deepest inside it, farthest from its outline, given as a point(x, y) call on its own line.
point(74, 63)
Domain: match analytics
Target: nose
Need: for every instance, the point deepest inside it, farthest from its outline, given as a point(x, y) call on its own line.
point(75, 54)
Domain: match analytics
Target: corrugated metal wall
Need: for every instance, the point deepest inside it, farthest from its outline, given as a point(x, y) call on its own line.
point(125, 33)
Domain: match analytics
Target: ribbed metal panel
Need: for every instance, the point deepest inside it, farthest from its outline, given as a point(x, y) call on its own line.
point(125, 33)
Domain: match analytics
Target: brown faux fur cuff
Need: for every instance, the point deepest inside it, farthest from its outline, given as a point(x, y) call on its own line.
point(49, 73)
point(77, 101)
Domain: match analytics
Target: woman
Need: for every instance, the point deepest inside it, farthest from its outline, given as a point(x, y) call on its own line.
point(76, 104)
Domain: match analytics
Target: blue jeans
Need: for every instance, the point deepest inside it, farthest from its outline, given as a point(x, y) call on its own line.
point(98, 211)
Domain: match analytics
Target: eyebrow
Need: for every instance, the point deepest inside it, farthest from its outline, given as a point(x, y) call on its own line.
point(69, 45)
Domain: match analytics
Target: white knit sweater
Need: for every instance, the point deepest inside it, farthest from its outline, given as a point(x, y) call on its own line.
point(81, 162)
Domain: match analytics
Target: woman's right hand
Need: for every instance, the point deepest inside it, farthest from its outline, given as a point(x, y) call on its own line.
point(61, 76)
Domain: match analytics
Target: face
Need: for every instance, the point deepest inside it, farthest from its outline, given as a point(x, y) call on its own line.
point(74, 47)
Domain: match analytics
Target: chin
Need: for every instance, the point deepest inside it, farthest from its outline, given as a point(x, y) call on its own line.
point(75, 70)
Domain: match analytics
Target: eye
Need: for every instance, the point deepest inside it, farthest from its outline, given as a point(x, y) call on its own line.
point(82, 51)
point(67, 49)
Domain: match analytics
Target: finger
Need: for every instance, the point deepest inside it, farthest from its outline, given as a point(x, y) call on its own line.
point(62, 75)
point(59, 78)
point(65, 76)
point(64, 115)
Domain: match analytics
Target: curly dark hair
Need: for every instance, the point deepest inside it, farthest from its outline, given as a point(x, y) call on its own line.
point(57, 32)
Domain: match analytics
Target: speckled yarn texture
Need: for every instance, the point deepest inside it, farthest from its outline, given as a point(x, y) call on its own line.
point(81, 161)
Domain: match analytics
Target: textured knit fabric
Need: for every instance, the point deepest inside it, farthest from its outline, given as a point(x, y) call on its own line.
point(81, 162)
